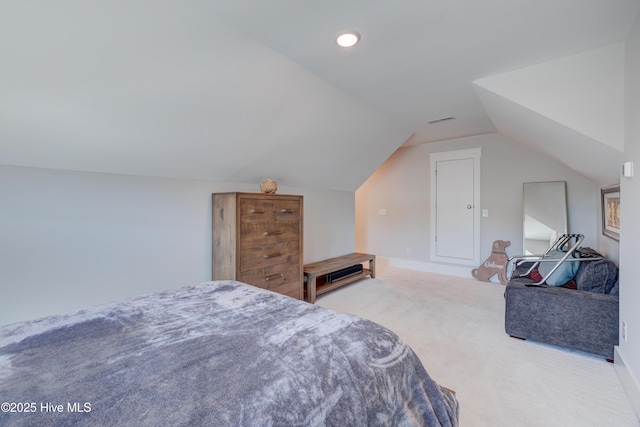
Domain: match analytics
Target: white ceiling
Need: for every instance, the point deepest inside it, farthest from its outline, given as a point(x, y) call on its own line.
point(241, 90)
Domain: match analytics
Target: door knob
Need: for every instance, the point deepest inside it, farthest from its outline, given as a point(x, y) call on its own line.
point(468, 206)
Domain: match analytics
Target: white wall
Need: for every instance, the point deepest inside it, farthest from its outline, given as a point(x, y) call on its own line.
point(401, 185)
point(69, 240)
point(629, 350)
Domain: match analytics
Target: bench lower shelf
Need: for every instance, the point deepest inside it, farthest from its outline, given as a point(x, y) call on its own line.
point(323, 287)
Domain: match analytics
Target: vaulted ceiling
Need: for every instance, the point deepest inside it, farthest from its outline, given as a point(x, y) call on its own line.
point(241, 90)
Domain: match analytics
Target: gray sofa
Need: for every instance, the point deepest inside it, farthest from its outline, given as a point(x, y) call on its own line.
point(584, 318)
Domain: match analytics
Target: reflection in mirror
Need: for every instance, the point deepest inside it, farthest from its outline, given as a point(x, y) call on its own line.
point(545, 215)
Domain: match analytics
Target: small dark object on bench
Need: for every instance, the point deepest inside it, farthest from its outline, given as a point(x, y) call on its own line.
point(345, 272)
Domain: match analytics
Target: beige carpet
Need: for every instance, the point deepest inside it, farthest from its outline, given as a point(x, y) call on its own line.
point(456, 326)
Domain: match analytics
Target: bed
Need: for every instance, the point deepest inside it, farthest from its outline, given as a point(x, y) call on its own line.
point(218, 354)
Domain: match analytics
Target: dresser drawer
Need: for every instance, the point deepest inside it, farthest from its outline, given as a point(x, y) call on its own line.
point(256, 210)
point(281, 278)
point(286, 210)
point(261, 234)
point(270, 255)
point(291, 289)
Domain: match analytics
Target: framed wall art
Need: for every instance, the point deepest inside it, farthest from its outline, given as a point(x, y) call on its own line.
point(610, 202)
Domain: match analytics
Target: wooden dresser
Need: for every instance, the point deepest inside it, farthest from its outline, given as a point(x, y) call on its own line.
point(257, 239)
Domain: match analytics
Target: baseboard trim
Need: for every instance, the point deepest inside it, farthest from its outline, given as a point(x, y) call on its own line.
point(629, 383)
point(430, 267)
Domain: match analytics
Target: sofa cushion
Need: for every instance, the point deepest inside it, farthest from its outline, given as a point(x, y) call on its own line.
point(565, 271)
point(597, 276)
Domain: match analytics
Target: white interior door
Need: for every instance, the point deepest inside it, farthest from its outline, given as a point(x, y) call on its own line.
point(454, 209)
point(455, 219)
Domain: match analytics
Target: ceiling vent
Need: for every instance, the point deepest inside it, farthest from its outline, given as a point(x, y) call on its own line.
point(443, 119)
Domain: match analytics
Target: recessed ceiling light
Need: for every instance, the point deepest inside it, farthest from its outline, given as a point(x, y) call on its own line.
point(348, 39)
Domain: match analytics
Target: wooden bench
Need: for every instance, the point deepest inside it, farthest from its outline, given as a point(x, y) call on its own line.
point(315, 273)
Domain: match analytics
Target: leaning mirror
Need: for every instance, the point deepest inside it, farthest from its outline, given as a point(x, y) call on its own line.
point(545, 215)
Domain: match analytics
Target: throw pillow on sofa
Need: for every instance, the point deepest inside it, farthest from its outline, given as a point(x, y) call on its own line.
point(597, 276)
point(615, 291)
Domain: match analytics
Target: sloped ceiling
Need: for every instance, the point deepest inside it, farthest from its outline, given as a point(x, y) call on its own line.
point(241, 90)
point(571, 109)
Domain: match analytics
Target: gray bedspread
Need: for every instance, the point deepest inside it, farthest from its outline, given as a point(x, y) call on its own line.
point(215, 354)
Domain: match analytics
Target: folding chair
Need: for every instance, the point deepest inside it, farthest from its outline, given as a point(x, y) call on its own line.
point(567, 243)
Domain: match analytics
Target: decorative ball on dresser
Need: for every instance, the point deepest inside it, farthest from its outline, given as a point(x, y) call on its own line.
point(268, 186)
